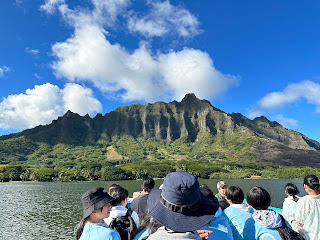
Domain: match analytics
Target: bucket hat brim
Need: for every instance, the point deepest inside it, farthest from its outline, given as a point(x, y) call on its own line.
point(179, 222)
point(98, 205)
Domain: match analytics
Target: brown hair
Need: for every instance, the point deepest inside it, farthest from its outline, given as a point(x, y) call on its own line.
point(80, 228)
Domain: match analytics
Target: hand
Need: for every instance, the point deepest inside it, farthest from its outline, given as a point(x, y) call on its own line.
point(204, 234)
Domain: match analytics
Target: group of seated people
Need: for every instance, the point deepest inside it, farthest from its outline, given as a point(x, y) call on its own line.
point(184, 209)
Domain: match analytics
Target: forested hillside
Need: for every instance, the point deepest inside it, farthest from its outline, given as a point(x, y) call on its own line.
point(155, 139)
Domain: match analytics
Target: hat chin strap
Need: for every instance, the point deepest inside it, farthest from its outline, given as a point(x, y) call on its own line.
point(181, 208)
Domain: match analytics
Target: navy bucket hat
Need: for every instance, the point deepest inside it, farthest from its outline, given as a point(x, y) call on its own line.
point(95, 199)
point(180, 205)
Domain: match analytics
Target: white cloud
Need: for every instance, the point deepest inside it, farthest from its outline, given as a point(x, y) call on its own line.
point(80, 99)
point(193, 71)
point(32, 51)
point(3, 70)
point(50, 6)
point(44, 103)
point(104, 12)
point(137, 75)
point(292, 93)
point(163, 19)
point(286, 122)
point(89, 56)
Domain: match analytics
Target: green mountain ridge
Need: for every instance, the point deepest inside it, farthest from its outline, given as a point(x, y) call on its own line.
point(192, 129)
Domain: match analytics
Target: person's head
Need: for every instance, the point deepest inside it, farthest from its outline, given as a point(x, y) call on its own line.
point(147, 184)
point(120, 195)
point(258, 198)
point(221, 186)
point(96, 206)
point(180, 205)
point(234, 195)
point(291, 189)
point(206, 191)
point(311, 184)
point(114, 185)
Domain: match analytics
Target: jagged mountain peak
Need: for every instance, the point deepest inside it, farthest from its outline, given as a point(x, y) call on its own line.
point(190, 97)
point(192, 120)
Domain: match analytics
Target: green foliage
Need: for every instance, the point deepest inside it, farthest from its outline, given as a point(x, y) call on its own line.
point(11, 172)
point(294, 172)
point(114, 173)
point(129, 147)
point(202, 140)
point(44, 174)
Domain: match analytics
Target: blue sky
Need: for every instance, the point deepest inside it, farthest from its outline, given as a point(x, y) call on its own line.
point(91, 56)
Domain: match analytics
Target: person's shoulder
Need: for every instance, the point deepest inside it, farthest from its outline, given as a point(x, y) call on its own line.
point(111, 234)
point(218, 195)
point(99, 232)
point(287, 199)
point(137, 199)
point(250, 222)
point(229, 210)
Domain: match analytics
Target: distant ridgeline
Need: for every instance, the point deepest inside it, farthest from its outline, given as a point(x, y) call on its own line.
point(154, 139)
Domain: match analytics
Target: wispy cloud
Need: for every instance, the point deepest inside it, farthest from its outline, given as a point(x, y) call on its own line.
point(286, 122)
point(37, 76)
point(32, 51)
point(163, 19)
point(44, 103)
point(276, 101)
point(140, 74)
point(3, 70)
point(50, 6)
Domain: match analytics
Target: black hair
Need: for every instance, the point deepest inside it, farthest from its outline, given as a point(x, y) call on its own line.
point(119, 194)
point(312, 182)
point(147, 184)
point(206, 191)
point(258, 198)
point(235, 194)
point(223, 204)
point(292, 190)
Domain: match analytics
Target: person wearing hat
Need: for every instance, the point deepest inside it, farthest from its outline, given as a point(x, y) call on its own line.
point(221, 186)
point(180, 208)
point(96, 206)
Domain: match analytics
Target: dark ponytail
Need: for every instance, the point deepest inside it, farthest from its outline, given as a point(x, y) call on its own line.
point(80, 228)
point(292, 190)
point(312, 182)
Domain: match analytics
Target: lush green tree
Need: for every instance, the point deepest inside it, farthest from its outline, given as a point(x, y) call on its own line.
point(45, 174)
point(114, 173)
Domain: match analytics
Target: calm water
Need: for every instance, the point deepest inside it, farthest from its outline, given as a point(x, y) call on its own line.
point(51, 210)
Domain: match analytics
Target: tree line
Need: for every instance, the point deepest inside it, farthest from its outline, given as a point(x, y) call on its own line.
point(122, 170)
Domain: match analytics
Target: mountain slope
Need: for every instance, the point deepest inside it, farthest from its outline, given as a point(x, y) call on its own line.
point(192, 128)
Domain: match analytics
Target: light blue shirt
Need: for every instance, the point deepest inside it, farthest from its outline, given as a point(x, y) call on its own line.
point(237, 215)
point(98, 231)
point(143, 233)
point(219, 224)
point(254, 231)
